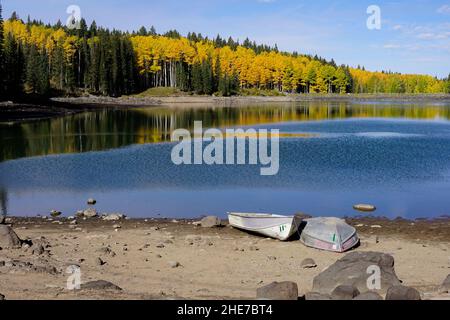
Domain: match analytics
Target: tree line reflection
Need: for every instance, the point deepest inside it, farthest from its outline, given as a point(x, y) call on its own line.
point(108, 129)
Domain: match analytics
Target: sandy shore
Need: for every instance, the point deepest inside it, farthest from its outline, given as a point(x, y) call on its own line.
point(215, 263)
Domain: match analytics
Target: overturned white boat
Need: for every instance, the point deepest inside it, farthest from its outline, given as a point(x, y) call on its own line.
point(271, 225)
point(331, 234)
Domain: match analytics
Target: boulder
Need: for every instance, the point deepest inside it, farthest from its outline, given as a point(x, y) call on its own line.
point(308, 263)
point(89, 213)
point(2, 297)
point(8, 238)
point(113, 217)
point(37, 249)
point(344, 292)
point(400, 292)
point(2, 219)
point(317, 296)
point(445, 287)
point(370, 295)
point(211, 222)
point(353, 270)
point(55, 213)
point(100, 285)
point(278, 291)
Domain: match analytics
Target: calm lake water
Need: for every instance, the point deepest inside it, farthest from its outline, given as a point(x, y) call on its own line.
point(393, 155)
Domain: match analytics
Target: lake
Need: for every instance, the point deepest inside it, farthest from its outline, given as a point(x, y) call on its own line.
point(334, 155)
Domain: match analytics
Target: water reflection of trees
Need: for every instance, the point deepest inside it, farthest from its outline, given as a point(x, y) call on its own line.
point(108, 129)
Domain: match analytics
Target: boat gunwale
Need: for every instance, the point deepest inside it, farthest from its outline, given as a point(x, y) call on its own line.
point(261, 228)
point(259, 215)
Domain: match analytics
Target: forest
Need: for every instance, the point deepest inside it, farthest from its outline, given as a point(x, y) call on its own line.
point(49, 60)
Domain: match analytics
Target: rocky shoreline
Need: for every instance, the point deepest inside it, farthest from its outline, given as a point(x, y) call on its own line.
point(123, 258)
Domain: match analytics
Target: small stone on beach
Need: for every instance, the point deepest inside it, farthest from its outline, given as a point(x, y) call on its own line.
point(99, 262)
point(113, 217)
point(308, 263)
point(174, 264)
point(211, 222)
point(55, 213)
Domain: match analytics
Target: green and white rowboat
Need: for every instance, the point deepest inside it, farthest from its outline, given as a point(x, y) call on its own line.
point(270, 225)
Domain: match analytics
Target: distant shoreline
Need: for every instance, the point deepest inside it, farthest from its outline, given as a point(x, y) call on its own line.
point(194, 99)
point(13, 112)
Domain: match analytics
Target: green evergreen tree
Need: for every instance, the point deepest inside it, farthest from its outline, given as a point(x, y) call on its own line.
point(142, 31)
point(31, 69)
point(197, 78)
point(105, 63)
point(2, 55)
point(217, 74)
point(93, 29)
point(33, 80)
point(58, 68)
point(183, 76)
point(207, 77)
point(13, 66)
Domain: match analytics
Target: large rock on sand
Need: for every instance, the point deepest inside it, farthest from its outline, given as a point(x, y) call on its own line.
point(369, 296)
point(88, 213)
point(354, 270)
point(113, 217)
point(310, 296)
point(278, 291)
point(211, 222)
point(100, 285)
point(8, 238)
point(445, 287)
point(344, 292)
point(402, 293)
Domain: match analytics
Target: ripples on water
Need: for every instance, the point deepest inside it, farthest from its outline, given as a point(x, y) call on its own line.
point(331, 157)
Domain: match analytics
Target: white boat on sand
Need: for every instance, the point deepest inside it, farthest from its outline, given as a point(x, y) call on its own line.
point(331, 234)
point(271, 225)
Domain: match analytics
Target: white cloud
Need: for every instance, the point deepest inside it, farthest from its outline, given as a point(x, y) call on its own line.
point(433, 36)
point(445, 9)
point(392, 46)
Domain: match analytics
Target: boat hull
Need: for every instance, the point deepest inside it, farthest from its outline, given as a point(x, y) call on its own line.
point(329, 234)
point(315, 243)
point(278, 227)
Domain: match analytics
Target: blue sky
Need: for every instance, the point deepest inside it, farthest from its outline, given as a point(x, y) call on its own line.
point(414, 35)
